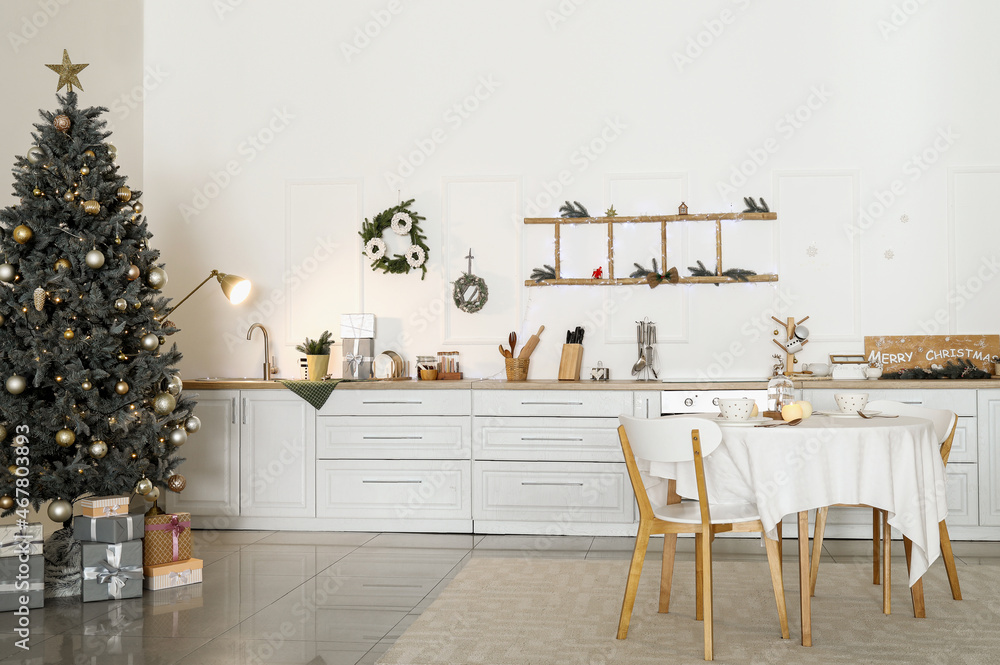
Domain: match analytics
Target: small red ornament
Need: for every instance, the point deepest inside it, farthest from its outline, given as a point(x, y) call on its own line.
point(599, 273)
point(61, 123)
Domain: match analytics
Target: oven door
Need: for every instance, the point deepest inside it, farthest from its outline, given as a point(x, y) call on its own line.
point(675, 402)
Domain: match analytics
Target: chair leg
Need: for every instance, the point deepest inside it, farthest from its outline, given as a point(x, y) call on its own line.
point(699, 589)
point(632, 585)
point(917, 590)
point(876, 544)
point(886, 567)
point(774, 563)
point(706, 579)
point(949, 561)
point(667, 571)
point(781, 560)
point(817, 547)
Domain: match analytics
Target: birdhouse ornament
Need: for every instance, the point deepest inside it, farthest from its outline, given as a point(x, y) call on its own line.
point(682, 209)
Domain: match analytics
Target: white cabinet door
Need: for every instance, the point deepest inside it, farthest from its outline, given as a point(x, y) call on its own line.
point(988, 427)
point(277, 462)
point(963, 495)
point(395, 489)
point(212, 457)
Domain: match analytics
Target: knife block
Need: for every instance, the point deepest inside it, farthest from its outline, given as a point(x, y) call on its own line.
point(569, 364)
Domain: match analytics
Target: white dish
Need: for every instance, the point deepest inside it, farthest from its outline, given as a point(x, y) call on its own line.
point(383, 366)
point(751, 422)
point(833, 414)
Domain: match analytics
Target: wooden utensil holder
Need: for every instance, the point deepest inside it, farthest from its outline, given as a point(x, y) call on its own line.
point(517, 369)
point(569, 364)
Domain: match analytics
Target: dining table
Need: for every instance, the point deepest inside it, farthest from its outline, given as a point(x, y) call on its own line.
point(893, 464)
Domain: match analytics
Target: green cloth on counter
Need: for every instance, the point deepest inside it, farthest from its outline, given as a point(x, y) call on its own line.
point(314, 392)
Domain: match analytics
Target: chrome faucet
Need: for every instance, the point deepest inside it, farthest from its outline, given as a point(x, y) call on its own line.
point(269, 367)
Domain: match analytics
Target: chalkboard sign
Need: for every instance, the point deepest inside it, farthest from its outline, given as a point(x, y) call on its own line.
point(930, 351)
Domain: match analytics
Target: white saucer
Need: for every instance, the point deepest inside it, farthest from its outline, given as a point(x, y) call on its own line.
point(839, 414)
point(750, 422)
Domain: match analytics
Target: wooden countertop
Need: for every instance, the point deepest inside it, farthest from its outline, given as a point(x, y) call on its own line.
point(550, 384)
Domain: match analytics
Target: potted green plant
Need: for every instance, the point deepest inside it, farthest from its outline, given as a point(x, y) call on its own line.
point(317, 355)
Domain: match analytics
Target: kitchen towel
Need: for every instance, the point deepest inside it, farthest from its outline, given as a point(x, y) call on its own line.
point(314, 392)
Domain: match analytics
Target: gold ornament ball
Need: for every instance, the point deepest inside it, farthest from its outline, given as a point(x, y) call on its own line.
point(60, 510)
point(86, 385)
point(61, 122)
point(69, 197)
point(133, 272)
point(121, 304)
point(161, 339)
point(6, 502)
point(22, 234)
point(63, 263)
point(178, 437)
point(3, 432)
point(89, 154)
point(65, 437)
point(164, 403)
point(68, 333)
point(2, 319)
point(176, 483)
point(144, 486)
point(157, 278)
point(98, 449)
point(153, 495)
point(121, 387)
point(95, 259)
point(149, 342)
point(84, 170)
point(37, 193)
point(12, 469)
point(35, 155)
point(91, 207)
point(138, 208)
point(112, 151)
point(192, 424)
point(775, 332)
point(118, 240)
point(124, 194)
point(7, 272)
point(16, 384)
point(137, 305)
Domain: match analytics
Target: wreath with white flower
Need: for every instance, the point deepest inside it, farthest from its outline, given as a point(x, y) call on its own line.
point(404, 222)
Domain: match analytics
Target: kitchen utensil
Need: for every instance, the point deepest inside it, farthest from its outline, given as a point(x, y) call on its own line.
point(569, 363)
point(530, 345)
point(779, 423)
point(801, 333)
point(652, 358)
point(504, 352)
point(874, 414)
point(512, 338)
point(639, 365)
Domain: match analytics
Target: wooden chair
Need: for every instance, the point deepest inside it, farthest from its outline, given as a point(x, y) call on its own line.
point(685, 439)
point(945, 423)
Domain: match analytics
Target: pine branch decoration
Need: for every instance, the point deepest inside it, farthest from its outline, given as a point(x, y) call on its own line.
point(575, 209)
point(540, 274)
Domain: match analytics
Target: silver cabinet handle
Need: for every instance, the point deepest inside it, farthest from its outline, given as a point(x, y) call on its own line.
point(391, 438)
point(392, 402)
point(549, 438)
point(234, 410)
point(552, 403)
point(525, 483)
point(244, 410)
point(391, 482)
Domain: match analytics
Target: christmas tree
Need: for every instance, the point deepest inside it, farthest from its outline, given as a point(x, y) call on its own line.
point(87, 380)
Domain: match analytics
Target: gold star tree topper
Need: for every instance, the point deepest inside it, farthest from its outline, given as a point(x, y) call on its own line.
point(67, 72)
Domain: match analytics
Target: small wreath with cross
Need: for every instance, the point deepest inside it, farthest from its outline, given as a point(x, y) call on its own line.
point(402, 221)
point(470, 293)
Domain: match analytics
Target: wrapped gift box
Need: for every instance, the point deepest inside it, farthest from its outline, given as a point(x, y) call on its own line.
point(168, 539)
point(16, 588)
point(112, 570)
point(170, 575)
point(104, 506)
point(357, 326)
point(15, 541)
point(358, 356)
point(108, 529)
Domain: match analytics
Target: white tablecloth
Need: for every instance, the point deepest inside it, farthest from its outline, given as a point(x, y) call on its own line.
point(889, 463)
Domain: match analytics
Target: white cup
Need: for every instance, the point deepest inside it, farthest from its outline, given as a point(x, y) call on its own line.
point(794, 345)
point(736, 409)
point(851, 402)
point(818, 369)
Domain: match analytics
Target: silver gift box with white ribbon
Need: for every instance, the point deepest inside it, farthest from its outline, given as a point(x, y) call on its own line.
point(108, 529)
point(15, 584)
point(14, 540)
point(358, 357)
point(112, 570)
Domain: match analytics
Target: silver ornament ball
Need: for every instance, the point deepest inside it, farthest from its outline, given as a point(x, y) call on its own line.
point(121, 304)
point(95, 259)
point(98, 449)
point(65, 437)
point(164, 403)
point(150, 342)
point(174, 384)
point(16, 384)
point(157, 278)
point(192, 424)
point(35, 155)
point(60, 510)
point(7, 272)
point(144, 486)
point(153, 495)
point(178, 437)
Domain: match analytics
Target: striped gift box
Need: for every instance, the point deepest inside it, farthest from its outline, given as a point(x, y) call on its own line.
point(170, 575)
point(104, 506)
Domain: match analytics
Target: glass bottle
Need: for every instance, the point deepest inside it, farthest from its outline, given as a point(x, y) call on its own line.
point(780, 392)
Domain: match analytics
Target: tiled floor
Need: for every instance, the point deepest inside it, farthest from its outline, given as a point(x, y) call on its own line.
point(319, 598)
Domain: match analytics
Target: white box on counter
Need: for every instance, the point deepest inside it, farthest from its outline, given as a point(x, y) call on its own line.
point(357, 326)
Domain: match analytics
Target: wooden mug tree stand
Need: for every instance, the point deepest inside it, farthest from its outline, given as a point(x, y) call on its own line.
point(789, 326)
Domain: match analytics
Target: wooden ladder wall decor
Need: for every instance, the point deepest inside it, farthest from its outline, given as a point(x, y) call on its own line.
point(662, 220)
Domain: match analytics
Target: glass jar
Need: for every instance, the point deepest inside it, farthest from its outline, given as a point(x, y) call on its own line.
point(427, 368)
point(780, 392)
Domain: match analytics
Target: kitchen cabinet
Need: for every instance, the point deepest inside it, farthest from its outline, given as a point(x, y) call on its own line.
point(252, 458)
point(989, 450)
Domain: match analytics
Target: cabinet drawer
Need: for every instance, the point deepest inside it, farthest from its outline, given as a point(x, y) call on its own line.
point(962, 402)
point(540, 439)
point(394, 489)
point(398, 403)
point(417, 437)
point(552, 492)
point(561, 403)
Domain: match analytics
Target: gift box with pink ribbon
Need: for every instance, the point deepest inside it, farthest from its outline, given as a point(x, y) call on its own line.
point(104, 506)
point(168, 539)
point(170, 575)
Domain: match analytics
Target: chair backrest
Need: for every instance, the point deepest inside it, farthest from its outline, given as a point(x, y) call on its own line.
point(945, 421)
point(668, 439)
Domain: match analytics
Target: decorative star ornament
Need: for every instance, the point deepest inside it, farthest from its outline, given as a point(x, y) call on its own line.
point(67, 72)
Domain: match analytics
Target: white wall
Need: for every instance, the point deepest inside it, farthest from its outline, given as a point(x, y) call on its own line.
point(820, 108)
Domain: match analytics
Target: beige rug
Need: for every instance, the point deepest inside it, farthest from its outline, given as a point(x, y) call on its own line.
point(527, 611)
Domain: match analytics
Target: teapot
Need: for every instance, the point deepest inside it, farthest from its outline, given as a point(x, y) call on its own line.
point(817, 369)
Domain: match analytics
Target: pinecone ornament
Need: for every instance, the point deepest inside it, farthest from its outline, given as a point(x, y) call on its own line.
point(39, 298)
